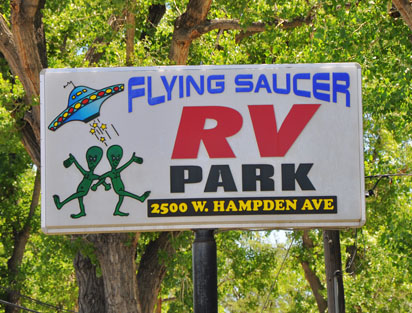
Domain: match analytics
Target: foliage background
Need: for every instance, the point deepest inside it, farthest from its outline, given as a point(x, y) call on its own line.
point(252, 275)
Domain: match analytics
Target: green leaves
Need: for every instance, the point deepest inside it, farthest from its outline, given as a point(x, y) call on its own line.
point(83, 33)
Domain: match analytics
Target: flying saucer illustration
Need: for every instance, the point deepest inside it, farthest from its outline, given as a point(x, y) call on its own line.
point(84, 104)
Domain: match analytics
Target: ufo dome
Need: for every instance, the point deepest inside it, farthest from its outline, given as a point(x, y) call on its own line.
point(79, 92)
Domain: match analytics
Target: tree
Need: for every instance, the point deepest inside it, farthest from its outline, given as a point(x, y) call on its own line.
point(17, 213)
point(35, 34)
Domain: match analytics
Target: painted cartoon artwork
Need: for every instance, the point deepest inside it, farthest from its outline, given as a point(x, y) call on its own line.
point(101, 131)
point(84, 104)
point(114, 156)
point(93, 156)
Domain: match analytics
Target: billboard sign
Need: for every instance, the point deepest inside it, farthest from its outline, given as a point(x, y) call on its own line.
point(184, 147)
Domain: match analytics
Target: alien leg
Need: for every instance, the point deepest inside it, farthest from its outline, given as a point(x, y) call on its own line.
point(118, 205)
point(59, 204)
point(82, 211)
point(141, 198)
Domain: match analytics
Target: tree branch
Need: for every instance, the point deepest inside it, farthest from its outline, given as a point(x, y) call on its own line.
point(31, 143)
point(234, 24)
point(310, 275)
point(93, 55)
point(156, 12)
point(315, 285)
point(130, 31)
point(195, 14)
point(283, 24)
point(20, 240)
point(405, 9)
point(22, 236)
point(191, 25)
point(8, 47)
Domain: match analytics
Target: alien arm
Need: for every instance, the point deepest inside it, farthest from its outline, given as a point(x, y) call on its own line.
point(125, 165)
point(79, 167)
point(106, 185)
point(101, 180)
point(97, 177)
point(134, 158)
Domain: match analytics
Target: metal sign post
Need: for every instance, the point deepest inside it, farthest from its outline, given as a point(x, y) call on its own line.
point(204, 272)
point(333, 268)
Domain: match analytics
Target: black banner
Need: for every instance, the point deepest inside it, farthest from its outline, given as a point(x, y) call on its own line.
point(241, 206)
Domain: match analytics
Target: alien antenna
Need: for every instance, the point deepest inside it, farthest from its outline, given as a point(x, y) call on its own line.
point(68, 83)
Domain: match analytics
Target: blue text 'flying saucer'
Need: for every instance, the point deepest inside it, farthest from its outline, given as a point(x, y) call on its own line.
point(84, 104)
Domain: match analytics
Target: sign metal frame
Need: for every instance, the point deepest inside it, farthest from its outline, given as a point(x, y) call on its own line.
point(202, 147)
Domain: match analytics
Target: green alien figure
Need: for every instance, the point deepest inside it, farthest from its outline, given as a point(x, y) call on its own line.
point(114, 155)
point(93, 156)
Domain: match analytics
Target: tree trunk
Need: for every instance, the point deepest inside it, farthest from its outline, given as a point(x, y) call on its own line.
point(12, 296)
point(116, 254)
point(24, 48)
point(91, 287)
point(29, 38)
point(152, 271)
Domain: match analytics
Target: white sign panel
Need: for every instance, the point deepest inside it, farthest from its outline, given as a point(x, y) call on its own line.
point(184, 147)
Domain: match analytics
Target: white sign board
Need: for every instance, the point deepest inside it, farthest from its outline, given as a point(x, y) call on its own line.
point(185, 147)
